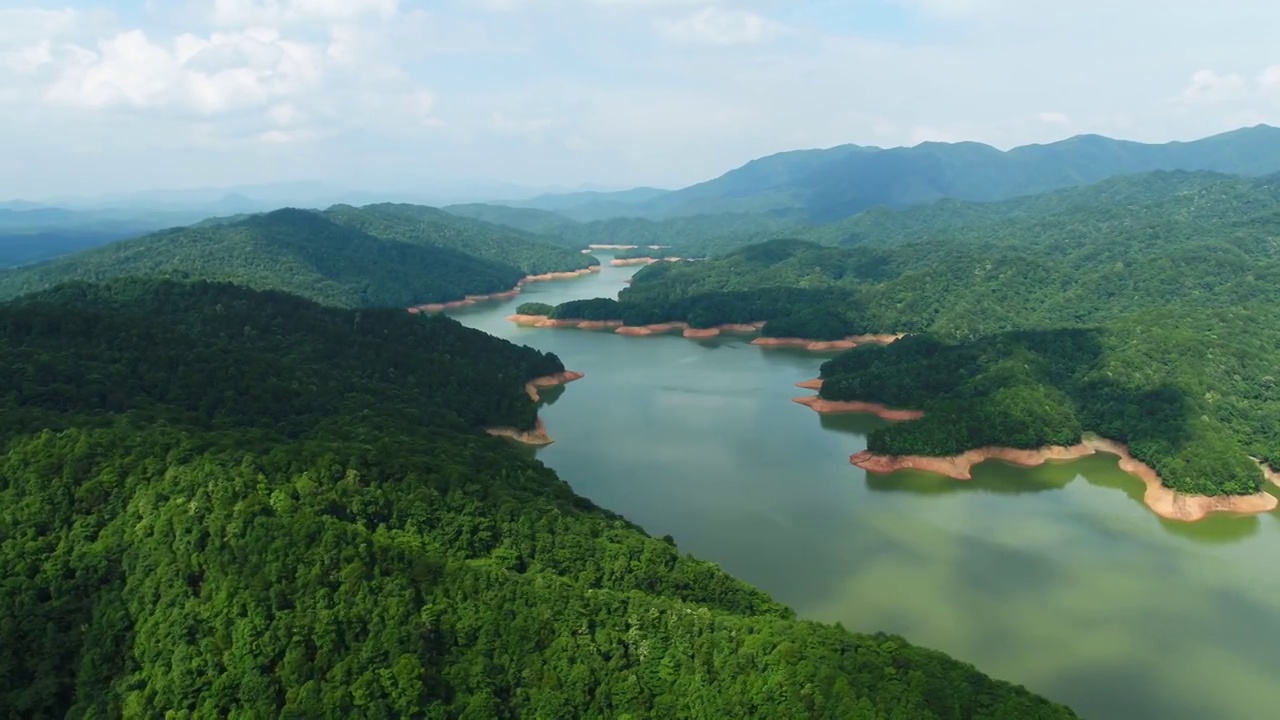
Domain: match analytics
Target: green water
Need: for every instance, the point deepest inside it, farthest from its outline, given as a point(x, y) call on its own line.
point(1055, 577)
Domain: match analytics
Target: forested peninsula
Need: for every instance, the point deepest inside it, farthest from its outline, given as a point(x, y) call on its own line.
point(223, 502)
point(1140, 309)
point(376, 256)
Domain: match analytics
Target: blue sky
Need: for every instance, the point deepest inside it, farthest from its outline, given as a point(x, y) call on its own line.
point(401, 94)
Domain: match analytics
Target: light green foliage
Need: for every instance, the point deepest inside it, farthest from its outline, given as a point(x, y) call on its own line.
point(297, 251)
point(431, 227)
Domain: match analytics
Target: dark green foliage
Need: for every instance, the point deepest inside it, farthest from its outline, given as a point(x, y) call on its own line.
point(1168, 272)
point(594, 309)
point(435, 228)
point(346, 545)
point(225, 357)
point(297, 251)
point(534, 308)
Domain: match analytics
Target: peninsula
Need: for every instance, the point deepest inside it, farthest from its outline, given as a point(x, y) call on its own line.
point(1161, 499)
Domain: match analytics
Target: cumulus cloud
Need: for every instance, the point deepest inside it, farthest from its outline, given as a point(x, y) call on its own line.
point(222, 73)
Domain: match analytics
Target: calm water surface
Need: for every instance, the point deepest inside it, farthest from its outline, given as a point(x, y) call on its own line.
point(1054, 577)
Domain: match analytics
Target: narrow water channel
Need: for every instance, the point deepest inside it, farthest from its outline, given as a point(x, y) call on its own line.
point(1054, 577)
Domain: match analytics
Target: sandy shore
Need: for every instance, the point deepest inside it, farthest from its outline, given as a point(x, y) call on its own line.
point(847, 343)
point(473, 299)
point(538, 435)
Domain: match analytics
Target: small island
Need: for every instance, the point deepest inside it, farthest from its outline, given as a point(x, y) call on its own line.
point(606, 313)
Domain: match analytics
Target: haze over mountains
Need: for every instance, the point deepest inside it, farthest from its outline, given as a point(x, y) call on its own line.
point(830, 184)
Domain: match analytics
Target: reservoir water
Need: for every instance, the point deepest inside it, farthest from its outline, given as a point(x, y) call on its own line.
point(1055, 577)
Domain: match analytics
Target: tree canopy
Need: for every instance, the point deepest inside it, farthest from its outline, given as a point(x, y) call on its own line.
point(1166, 274)
point(223, 502)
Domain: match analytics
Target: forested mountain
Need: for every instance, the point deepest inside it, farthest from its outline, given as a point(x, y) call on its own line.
point(697, 235)
point(592, 205)
point(1150, 298)
point(30, 234)
point(421, 225)
point(530, 220)
point(222, 502)
point(822, 186)
point(296, 251)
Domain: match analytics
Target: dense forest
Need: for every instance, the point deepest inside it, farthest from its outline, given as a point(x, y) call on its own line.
point(693, 236)
point(1168, 276)
point(297, 251)
point(229, 503)
point(429, 226)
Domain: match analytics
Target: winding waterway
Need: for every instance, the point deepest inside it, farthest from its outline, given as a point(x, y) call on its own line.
point(1055, 577)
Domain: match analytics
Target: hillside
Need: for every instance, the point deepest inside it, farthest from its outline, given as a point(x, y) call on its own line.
point(30, 233)
point(529, 220)
point(221, 502)
point(1150, 302)
point(828, 185)
point(296, 251)
point(428, 226)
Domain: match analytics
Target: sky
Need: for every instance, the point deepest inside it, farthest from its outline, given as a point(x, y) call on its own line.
point(392, 95)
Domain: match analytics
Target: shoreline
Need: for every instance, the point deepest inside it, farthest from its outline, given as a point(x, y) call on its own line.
point(1163, 501)
point(544, 321)
point(642, 261)
point(847, 343)
point(469, 300)
point(538, 436)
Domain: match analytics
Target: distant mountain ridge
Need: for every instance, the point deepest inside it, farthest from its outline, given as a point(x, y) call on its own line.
point(821, 186)
point(377, 256)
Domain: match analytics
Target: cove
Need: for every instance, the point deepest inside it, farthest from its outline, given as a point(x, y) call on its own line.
point(1056, 577)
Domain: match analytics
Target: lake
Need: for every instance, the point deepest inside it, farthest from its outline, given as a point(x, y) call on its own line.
point(1056, 577)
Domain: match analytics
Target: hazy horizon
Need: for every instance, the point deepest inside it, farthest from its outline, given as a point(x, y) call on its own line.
point(395, 96)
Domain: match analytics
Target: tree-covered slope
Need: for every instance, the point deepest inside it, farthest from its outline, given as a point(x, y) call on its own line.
point(530, 220)
point(1168, 276)
point(296, 251)
point(824, 186)
point(431, 227)
point(249, 505)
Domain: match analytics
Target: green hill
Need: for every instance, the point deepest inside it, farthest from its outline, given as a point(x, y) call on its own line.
point(827, 185)
point(1141, 308)
point(421, 225)
point(226, 503)
point(531, 220)
point(296, 251)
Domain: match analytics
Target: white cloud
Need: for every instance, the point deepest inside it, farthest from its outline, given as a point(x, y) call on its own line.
point(223, 73)
point(717, 26)
point(1207, 86)
point(274, 13)
point(1053, 118)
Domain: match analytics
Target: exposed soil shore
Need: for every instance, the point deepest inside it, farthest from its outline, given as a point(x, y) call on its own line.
point(642, 261)
point(542, 321)
point(847, 343)
point(538, 435)
point(473, 299)
point(1163, 501)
